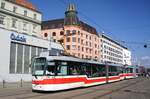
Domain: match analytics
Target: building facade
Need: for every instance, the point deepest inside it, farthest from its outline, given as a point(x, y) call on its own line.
point(20, 26)
point(20, 16)
point(79, 39)
point(113, 52)
point(17, 51)
point(126, 57)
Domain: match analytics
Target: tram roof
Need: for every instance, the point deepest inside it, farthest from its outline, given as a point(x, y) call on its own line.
point(70, 58)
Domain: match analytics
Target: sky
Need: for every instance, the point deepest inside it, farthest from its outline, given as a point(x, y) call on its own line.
point(126, 21)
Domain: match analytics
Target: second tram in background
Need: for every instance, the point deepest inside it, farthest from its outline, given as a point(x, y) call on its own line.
point(53, 73)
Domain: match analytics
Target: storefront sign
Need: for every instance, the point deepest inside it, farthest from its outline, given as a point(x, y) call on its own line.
point(18, 37)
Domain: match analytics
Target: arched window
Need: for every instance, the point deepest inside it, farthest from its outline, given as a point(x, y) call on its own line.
point(61, 33)
point(45, 34)
point(54, 34)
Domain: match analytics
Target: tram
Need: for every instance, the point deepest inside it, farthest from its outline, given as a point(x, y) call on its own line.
point(54, 73)
point(130, 72)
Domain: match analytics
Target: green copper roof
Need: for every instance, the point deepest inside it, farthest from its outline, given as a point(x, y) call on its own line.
point(71, 17)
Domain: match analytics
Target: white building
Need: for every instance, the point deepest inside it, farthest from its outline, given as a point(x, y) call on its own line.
point(126, 57)
point(20, 28)
point(112, 51)
point(16, 53)
point(20, 16)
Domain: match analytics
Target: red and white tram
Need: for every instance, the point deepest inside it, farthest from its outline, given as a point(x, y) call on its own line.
point(53, 73)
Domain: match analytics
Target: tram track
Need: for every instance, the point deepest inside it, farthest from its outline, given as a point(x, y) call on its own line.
point(108, 92)
point(25, 94)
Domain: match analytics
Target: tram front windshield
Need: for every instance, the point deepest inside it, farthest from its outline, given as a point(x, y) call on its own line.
point(38, 66)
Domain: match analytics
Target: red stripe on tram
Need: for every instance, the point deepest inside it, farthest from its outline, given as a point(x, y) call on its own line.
point(68, 80)
point(114, 78)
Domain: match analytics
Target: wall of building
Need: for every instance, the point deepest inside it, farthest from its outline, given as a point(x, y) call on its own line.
point(127, 57)
point(111, 51)
point(16, 53)
point(14, 18)
point(77, 42)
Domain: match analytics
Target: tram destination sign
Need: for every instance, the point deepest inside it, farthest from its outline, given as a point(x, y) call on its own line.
point(17, 37)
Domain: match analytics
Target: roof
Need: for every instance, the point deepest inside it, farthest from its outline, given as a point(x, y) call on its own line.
point(52, 24)
point(59, 23)
point(108, 38)
point(24, 3)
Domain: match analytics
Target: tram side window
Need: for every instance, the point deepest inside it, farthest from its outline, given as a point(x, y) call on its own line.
point(50, 70)
point(87, 69)
point(95, 70)
point(62, 68)
point(113, 71)
point(131, 70)
point(102, 70)
point(120, 70)
point(74, 68)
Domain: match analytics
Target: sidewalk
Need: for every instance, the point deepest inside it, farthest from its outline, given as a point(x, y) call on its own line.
point(8, 85)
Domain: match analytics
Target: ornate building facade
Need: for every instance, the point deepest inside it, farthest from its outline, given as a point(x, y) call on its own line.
point(79, 38)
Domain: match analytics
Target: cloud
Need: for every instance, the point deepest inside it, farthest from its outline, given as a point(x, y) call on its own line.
point(145, 58)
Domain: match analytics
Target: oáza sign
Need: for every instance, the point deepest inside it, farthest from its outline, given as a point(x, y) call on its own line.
point(18, 37)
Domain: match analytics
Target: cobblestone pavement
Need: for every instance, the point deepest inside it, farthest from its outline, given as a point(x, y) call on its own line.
point(138, 88)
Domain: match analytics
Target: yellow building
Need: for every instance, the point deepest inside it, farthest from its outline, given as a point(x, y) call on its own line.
point(79, 38)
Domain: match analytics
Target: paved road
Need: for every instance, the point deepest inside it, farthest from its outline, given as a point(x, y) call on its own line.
point(138, 88)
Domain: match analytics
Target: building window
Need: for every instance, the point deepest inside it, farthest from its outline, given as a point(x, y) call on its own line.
point(90, 44)
point(45, 35)
point(67, 32)
point(73, 32)
point(19, 58)
point(2, 5)
point(25, 12)
point(82, 42)
point(73, 39)
point(78, 32)
point(2, 20)
point(86, 36)
point(14, 9)
point(68, 39)
point(54, 34)
point(68, 47)
point(90, 51)
point(78, 48)
point(34, 28)
point(34, 16)
point(25, 26)
point(95, 45)
point(95, 39)
point(86, 50)
point(73, 47)
point(61, 33)
point(86, 43)
point(78, 54)
point(14, 23)
point(82, 48)
point(90, 38)
point(78, 40)
point(82, 56)
point(81, 34)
